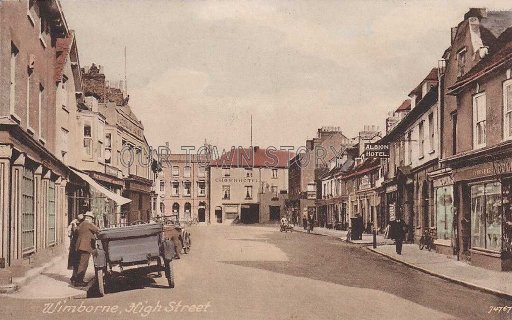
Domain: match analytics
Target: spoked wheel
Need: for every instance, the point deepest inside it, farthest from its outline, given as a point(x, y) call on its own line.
point(169, 273)
point(100, 279)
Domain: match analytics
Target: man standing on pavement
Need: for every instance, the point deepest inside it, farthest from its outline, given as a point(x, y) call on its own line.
point(86, 234)
point(398, 230)
point(73, 256)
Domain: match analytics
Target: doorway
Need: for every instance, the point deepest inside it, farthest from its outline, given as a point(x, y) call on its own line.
point(218, 214)
point(275, 213)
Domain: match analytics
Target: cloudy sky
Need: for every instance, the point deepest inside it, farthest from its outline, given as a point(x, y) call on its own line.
point(199, 69)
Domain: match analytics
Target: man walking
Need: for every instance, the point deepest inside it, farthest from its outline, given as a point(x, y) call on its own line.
point(86, 233)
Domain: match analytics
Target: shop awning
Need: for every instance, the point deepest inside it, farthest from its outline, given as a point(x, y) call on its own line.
point(107, 193)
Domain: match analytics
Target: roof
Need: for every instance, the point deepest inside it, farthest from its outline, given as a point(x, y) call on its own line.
point(368, 165)
point(421, 107)
point(431, 76)
point(497, 21)
point(499, 53)
point(405, 106)
point(253, 157)
point(63, 47)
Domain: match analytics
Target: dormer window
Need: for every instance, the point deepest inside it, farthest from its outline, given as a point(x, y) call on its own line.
point(461, 62)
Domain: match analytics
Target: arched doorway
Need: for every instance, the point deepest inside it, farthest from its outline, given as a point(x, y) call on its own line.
point(201, 212)
point(188, 211)
point(176, 210)
point(218, 214)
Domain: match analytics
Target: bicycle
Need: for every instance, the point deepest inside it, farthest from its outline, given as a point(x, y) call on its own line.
point(426, 240)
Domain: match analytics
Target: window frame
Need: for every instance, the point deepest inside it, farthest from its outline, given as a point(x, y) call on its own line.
point(507, 123)
point(476, 121)
point(421, 139)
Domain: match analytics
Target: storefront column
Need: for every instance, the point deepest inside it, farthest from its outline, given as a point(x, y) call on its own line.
point(61, 210)
point(45, 183)
point(5, 188)
point(15, 224)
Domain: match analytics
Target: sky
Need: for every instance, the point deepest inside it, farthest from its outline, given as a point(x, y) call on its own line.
point(198, 70)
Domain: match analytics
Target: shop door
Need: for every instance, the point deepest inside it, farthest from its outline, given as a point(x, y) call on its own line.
point(275, 213)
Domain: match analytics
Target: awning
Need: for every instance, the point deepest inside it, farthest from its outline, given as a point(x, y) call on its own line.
point(107, 193)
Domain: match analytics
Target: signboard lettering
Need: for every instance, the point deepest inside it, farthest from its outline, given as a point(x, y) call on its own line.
point(376, 150)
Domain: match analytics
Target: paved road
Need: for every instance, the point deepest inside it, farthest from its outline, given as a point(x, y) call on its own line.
point(258, 273)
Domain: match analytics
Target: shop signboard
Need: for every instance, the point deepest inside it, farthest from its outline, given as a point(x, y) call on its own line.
point(376, 150)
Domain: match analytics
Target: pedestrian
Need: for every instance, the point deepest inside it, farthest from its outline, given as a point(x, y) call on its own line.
point(173, 233)
point(305, 221)
point(73, 256)
point(84, 246)
point(398, 229)
point(311, 222)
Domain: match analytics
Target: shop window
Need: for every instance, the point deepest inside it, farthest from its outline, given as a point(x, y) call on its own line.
point(444, 210)
point(421, 139)
point(27, 212)
point(51, 214)
point(274, 173)
point(479, 120)
point(248, 192)
point(485, 216)
point(87, 139)
point(461, 62)
point(507, 109)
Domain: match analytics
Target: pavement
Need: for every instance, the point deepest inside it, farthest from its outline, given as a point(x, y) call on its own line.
point(342, 235)
point(439, 265)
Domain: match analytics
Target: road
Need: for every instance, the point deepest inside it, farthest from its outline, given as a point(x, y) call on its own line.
point(247, 272)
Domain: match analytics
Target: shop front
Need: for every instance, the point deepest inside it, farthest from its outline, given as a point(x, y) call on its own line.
point(485, 222)
point(444, 211)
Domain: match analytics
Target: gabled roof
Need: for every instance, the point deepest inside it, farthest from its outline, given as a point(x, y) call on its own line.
point(431, 76)
point(405, 106)
point(243, 158)
point(499, 53)
point(368, 165)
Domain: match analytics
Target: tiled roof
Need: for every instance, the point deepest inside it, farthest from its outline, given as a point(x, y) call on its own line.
point(243, 157)
point(499, 53)
point(431, 76)
point(497, 21)
point(405, 106)
point(368, 165)
point(63, 47)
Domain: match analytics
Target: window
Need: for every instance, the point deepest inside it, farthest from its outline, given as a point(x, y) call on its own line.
point(248, 172)
point(201, 188)
point(64, 141)
point(461, 62)
point(187, 188)
point(507, 109)
point(12, 87)
point(87, 139)
point(99, 151)
point(479, 117)
point(421, 139)
point(162, 186)
point(274, 173)
point(175, 188)
point(248, 192)
point(485, 216)
point(201, 172)
point(274, 192)
point(108, 148)
point(409, 147)
point(29, 77)
point(64, 92)
point(186, 172)
point(40, 111)
point(444, 211)
point(176, 208)
point(431, 129)
point(226, 194)
point(51, 214)
point(27, 212)
point(225, 172)
point(162, 208)
point(175, 171)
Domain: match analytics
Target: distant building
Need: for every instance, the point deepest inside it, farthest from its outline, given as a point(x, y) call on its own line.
point(249, 184)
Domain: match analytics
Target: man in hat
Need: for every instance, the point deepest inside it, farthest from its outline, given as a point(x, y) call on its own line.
point(86, 233)
point(73, 256)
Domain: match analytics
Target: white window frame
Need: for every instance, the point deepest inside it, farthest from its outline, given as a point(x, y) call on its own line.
point(507, 110)
point(40, 111)
point(173, 192)
point(431, 132)
point(477, 145)
point(421, 139)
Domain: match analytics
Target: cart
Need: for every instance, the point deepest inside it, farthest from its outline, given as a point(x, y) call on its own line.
point(140, 246)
